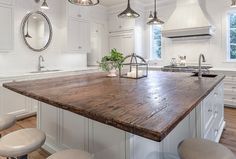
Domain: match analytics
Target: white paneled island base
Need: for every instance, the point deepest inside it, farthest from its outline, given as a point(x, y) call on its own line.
point(68, 130)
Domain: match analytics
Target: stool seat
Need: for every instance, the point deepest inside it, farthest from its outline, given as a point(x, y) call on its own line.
point(21, 142)
point(71, 154)
point(203, 149)
point(6, 121)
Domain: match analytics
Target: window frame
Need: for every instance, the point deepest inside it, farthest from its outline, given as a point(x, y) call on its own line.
point(151, 46)
point(228, 29)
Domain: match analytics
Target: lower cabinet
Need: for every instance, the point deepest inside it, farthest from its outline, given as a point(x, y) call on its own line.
point(211, 121)
point(68, 130)
point(16, 104)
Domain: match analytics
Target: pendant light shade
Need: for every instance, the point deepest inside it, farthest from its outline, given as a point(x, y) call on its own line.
point(155, 20)
point(84, 2)
point(128, 12)
point(27, 33)
point(150, 16)
point(44, 5)
point(233, 5)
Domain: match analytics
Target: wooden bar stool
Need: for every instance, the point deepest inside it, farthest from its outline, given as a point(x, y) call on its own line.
point(6, 121)
point(20, 143)
point(203, 149)
point(71, 154)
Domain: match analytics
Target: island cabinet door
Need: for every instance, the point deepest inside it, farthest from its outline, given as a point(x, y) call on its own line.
point(47, 119)
point(106, 142)
point(73, 131)
point(184, 130)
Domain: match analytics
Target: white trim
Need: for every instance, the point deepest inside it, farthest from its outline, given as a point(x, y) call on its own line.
point(151, 46)
point(228, 59)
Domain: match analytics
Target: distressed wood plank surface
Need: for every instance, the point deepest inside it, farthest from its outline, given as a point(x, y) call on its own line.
point(150, 107)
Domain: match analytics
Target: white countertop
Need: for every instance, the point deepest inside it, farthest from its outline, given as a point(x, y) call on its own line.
point(12, 75)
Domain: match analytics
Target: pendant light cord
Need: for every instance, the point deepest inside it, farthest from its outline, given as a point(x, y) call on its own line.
point(128, 3)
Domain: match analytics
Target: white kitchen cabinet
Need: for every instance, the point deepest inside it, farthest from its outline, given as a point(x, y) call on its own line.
point(7, 2)
point(6, 27)
point(79, 12)
point(76, 29)
point(123, 43)
point(106, 141)
point(12, 102)
point(212, 115)
point(73, 131)
point(48, 122)
point(229, 87)
point(78, 36)
point(97, 34)
point(120, 24)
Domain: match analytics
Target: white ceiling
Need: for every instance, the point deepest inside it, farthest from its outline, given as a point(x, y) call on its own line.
point(109, 3)
point(115, 2)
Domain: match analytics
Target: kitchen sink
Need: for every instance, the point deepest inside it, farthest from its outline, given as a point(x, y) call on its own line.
point(205, 75)
point(45, 71)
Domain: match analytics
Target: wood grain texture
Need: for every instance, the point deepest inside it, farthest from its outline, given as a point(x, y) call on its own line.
point(150, 107)
point(229, 135)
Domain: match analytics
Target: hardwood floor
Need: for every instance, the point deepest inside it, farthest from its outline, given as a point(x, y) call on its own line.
point(28, 123)
point(228, 138)
point(229, 135)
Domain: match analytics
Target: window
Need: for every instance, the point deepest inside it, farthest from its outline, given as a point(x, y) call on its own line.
point(232, 36)
point(155, 42)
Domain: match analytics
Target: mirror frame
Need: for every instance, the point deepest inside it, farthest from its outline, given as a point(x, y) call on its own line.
point(50, 30)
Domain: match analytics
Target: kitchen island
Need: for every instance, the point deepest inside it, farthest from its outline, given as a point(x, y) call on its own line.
point(125, 118)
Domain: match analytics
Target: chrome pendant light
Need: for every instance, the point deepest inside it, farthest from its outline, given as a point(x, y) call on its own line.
point(128, 12)
point(150, 16)
point(155, 20)
point(84, 2)
point(44, 5)
point(233, 5)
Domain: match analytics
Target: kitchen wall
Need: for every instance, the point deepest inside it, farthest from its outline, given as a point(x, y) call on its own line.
point(22, 59)
point(215, 48)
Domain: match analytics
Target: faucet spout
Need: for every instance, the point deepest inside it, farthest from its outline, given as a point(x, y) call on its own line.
point(201, 59)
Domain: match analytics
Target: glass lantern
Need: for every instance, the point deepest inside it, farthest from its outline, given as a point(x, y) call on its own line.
point(134, 67)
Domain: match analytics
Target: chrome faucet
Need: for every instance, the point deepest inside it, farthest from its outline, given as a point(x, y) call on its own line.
point(201, 59)
point(40, 66)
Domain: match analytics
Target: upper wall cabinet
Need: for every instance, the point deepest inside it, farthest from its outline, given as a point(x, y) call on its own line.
point(6, 27)
point(120, 24)
point(7, 2)
point(77, 29)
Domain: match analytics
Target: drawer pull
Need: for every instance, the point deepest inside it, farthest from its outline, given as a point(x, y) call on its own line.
point(233, 87)
point(209, 110)
point(80, 47)
point(79, 15)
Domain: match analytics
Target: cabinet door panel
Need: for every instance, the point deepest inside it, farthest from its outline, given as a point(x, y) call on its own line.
point(127, 45)
point(8, 2)
point(106, 142)
point(6, 31)
point(74, 131)
point(12, 102)
point(74, 28)
point(49, 122)
point(78, 36)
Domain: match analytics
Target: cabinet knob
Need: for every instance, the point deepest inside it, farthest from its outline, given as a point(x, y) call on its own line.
point(233, 87)
point(80, 47)
point(120, 26)
point(209, 110)
point(79, 15)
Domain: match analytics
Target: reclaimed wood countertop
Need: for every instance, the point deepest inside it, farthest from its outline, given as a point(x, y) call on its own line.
point(150, 107)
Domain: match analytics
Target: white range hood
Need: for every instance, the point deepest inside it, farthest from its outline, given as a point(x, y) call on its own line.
point(188, 20)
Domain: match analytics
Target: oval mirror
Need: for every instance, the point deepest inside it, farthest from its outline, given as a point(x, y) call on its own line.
point(37, 31)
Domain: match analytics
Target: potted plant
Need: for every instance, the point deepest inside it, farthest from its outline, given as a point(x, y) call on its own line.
point(111, 62)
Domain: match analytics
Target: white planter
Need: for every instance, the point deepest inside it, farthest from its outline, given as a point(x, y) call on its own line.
point(112, 73)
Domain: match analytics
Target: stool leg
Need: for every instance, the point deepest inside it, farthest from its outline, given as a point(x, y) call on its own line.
point(23, 157)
